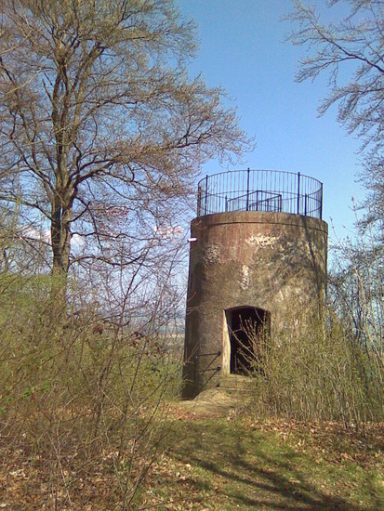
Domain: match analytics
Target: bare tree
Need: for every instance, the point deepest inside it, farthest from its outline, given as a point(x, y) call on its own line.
point(350, 50)
point(102, 131)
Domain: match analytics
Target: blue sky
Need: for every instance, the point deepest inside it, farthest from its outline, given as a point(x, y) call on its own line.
point(243, 48)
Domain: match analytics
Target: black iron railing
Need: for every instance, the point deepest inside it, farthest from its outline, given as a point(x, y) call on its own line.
point(260, 190)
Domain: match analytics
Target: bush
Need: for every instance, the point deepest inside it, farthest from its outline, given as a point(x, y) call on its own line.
point(82, 405)
point(319, 374)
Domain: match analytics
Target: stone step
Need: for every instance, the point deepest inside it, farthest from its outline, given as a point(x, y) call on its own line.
point(235, 383)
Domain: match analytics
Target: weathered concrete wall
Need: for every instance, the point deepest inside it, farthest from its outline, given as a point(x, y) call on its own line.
point(273, 261)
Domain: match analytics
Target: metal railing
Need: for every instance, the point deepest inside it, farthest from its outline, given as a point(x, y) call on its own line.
point(260, 190)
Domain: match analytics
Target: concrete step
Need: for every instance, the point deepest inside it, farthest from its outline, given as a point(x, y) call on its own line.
point(236, 384)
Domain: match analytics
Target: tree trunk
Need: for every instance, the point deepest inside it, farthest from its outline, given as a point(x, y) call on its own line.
point(60, 239)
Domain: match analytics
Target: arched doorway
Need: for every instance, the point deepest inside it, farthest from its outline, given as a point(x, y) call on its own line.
point(247, 330)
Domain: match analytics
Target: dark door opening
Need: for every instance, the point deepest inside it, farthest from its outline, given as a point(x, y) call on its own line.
point(248, 329)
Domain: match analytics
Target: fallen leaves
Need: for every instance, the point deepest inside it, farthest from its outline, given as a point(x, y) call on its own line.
point(176, 483)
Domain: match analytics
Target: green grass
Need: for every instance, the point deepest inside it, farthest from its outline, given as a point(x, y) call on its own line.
point(237, 465)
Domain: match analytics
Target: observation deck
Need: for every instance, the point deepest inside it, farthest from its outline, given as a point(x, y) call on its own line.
point(260, 190)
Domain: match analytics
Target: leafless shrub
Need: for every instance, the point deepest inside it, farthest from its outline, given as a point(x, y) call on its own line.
point(317, 373)
point(82, 397)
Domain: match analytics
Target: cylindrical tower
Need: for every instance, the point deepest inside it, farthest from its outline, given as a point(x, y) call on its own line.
point(258, 258)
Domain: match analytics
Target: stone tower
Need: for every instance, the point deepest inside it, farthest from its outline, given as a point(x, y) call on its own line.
point(258, 257)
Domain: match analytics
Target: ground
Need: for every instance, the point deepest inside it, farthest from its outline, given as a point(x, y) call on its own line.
point(217, 458)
